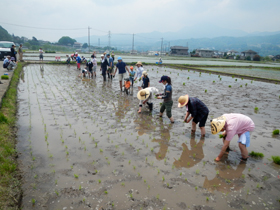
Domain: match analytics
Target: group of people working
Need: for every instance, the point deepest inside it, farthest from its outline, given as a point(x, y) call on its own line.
point(196, 111)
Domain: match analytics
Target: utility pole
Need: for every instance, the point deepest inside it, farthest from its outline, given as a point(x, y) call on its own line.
point(168, 47)
point(98, 42)
point(132, 43)
point(109, 40)
point(161, 46)
point(89, 39)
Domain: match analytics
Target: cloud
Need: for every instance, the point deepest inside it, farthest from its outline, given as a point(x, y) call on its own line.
point(136, 16)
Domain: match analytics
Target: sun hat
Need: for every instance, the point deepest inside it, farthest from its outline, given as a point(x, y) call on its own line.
point(131, 67)
point(143, 94)
point(183, 100)
point(101, 55)
point(163, 78)
point(217, 124)
point(145, 73)
point(139, 63)
point(119, 58)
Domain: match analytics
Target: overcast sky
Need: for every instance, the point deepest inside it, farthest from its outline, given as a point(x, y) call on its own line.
point(134, 16)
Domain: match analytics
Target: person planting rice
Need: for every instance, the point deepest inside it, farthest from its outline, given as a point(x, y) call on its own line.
point(103, 68)
point(232, 124)
point(197, 109)
point(89, 67)
point(126, 85)
point(167, 98)
point(138, 77)
point(67, 60)
point(122, 70)
point(78, 60)
point(146, 80)
point(83, 72)
point(131, 75)
point(145, 96)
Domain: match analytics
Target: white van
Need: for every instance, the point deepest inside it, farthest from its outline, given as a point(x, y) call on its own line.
point(5, 49)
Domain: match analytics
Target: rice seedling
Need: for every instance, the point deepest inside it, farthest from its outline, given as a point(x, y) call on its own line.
point(184, 83)
point(106, 192)
point(134, 167)
point(229, 86)
point(33, 201)
point(217, 172)
point(165, 160)
point(246, 84)
point(188, 78)
point(152, 149)
point(195, 187)
point(173, 166)
point(205, 91)
point(256, 154)
point(122, 184)
point(276, 159)
point(157, 196)
point(258, 185)
point(228, 181)
point(181, 173)
point(235, 80)
point(256, 109)
point(95, 144)
point(251, 81)
point(214, 81)
point(149, 187)
point(207, 199)
point(129, 162)
point(275, 132)
point(240, 85)
point(197, 171)
point(76, 176)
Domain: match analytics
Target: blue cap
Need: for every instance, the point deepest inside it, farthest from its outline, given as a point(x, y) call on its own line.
point(119, 58)
point(108, 54)
point(163, 78)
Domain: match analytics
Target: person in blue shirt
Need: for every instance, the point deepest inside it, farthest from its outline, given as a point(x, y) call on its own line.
point(145, 79)
point(110, 70)
point(78, 60)
point(131, 75)
point(122, 70)
point(167, 98)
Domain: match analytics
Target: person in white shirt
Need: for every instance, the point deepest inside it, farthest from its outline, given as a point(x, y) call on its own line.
point(139, 73)
point(41, 54)
point(94, 61)
point(146, 97)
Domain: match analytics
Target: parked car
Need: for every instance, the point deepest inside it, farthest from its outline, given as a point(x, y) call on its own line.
point(5, 49)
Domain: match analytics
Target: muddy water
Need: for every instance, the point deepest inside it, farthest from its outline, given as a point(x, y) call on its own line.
point(255, 72)
point(83, 145)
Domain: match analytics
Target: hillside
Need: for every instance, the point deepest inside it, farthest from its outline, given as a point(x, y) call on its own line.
point(4, 35)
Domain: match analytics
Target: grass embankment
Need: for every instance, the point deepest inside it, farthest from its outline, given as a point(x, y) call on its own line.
point(10, 192)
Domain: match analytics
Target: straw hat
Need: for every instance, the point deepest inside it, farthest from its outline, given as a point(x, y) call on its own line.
point(143, 94)
point(183, 100)
point(217, 124)
point(144, 73)
point(139, 63)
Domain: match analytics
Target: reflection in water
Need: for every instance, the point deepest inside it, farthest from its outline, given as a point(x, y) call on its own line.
point(226, 179)
point(22, 75)
point(144, 124)
point(42, 70)
point(122, 108)
point(163, 142)
point(191, 157)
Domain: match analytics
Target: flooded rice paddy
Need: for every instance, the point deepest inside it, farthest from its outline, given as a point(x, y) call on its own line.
point(82, 144)
point(254, 72)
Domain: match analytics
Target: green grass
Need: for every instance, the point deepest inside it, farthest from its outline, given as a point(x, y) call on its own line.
point(9, 183)
point(221, 136)
point(275, 132)
point(5, 77)
point(276, 159)
point(256, 154)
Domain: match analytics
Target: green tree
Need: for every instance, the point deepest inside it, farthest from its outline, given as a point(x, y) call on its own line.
point(85, 45)
point(65, 40)
point(248, 58)
point(4, 35)
point(238, 57)
point(256, 58)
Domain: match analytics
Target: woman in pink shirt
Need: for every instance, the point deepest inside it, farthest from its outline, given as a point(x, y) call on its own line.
point(233, 124)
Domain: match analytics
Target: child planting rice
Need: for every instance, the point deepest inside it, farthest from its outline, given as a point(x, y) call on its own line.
point(167, 98)
point(233, 124)
point(146, 96)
